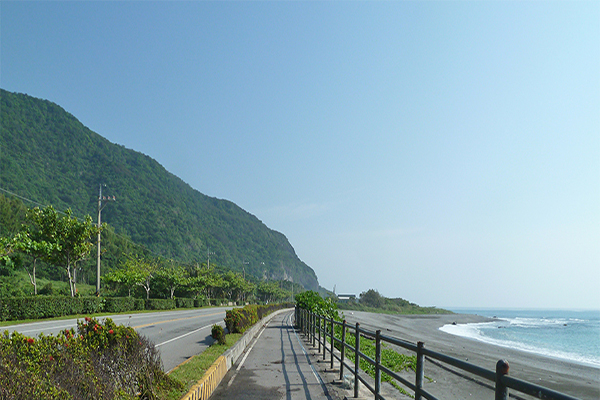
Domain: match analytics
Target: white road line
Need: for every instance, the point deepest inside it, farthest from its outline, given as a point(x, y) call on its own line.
point(182, 336)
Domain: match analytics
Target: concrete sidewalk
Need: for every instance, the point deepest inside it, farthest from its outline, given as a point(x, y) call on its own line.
point(278, 365)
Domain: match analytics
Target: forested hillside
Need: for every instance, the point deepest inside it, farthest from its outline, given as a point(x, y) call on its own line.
point(48, 156)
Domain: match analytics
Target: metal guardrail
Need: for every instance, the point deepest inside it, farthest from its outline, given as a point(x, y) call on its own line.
point(320, 329)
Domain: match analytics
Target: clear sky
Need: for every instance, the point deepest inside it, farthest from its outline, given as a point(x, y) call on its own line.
point(444, 152)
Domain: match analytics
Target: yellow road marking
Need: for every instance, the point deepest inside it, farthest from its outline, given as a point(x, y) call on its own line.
point(173, 320)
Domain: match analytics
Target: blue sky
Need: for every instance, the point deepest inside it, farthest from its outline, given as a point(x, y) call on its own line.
point(443, 152)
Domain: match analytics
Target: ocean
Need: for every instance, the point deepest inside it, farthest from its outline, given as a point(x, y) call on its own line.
point(568, 335)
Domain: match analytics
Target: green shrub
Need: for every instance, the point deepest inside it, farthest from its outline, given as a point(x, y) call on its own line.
point(38, 307)
point(139, 304)
point(99, 360)
point(238, 320)
point(119, 304)
point(47, 290)
point(218, 333)
point(199, 302)
point(184, 302)
point(160, 304)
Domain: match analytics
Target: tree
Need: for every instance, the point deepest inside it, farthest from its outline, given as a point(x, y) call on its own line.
point(212, 280)
point(124, 277)
point(312, 301)
point(172, 278)
point(270, 291)
point(372, 298)
point(23, 243)
point(69, 236)
point(142, 270)
point(36, 250)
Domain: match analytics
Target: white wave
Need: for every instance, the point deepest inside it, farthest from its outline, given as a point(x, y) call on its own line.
point(475, 331)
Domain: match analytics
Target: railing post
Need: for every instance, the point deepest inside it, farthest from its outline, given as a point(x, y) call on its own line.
point(324, 338)
point(343, 351)
point(319, 329)
point(356, 358)
point(332, 342)
point(377, 362)
point(314, 328)
point(420, 371)
point(502, 368)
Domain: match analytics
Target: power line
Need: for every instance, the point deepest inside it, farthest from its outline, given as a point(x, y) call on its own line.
point(123, 237)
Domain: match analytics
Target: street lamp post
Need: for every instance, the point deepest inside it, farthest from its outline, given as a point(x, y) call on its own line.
point(102, 202)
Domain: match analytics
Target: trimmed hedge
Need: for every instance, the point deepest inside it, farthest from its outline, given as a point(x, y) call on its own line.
point(200, 302)
point(38, 307)
point(119, 304)
point(139, 304)
point(184, 303)
point(160, 304)
point(238, 320)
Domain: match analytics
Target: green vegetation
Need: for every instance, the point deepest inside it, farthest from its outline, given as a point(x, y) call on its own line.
point(313, 302)
point(372, 301)
point(48, 156)
point(390, 358)
point(218, 333)
point(238, 320)
point(99, 360)
point(49, 248)
point(189, 373)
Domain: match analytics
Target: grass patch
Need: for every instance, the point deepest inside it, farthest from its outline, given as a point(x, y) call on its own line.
point(190, 372)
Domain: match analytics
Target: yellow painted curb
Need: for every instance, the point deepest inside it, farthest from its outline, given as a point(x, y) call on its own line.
point(209, 382)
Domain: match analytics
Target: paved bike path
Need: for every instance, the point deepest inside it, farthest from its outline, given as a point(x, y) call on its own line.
point(276, 365)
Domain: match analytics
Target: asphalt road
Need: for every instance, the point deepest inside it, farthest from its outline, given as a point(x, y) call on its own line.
point(178, 335)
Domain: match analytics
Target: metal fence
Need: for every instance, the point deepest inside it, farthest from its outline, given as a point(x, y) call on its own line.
point(321, 332)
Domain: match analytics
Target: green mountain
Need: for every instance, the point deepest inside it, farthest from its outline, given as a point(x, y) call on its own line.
point(48, 156)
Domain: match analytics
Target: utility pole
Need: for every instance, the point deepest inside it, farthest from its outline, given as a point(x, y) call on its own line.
point(102, 202)
point(244, 263)
point(209, 253)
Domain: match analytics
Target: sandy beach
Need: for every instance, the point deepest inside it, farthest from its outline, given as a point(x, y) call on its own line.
point(573, 379)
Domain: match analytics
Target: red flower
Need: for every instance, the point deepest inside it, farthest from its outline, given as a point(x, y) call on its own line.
point(30, 340)
point(51, 358)
point(88, 319)
point(110, 331)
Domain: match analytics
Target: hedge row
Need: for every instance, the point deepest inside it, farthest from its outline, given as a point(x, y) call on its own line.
point(238, 320)
point(38, 307)
point(17, 308)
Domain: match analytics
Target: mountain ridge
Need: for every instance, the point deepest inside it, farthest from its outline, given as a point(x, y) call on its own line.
point(48, 155)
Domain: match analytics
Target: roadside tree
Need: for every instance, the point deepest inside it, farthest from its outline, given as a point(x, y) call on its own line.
point(70, 237)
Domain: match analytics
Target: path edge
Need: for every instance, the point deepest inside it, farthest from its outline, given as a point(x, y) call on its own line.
point(216, 372)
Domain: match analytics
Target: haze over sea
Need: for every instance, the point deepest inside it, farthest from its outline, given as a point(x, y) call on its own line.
point(568, 335)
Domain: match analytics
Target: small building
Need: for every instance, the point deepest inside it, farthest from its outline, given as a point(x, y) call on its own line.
point(346, 298)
